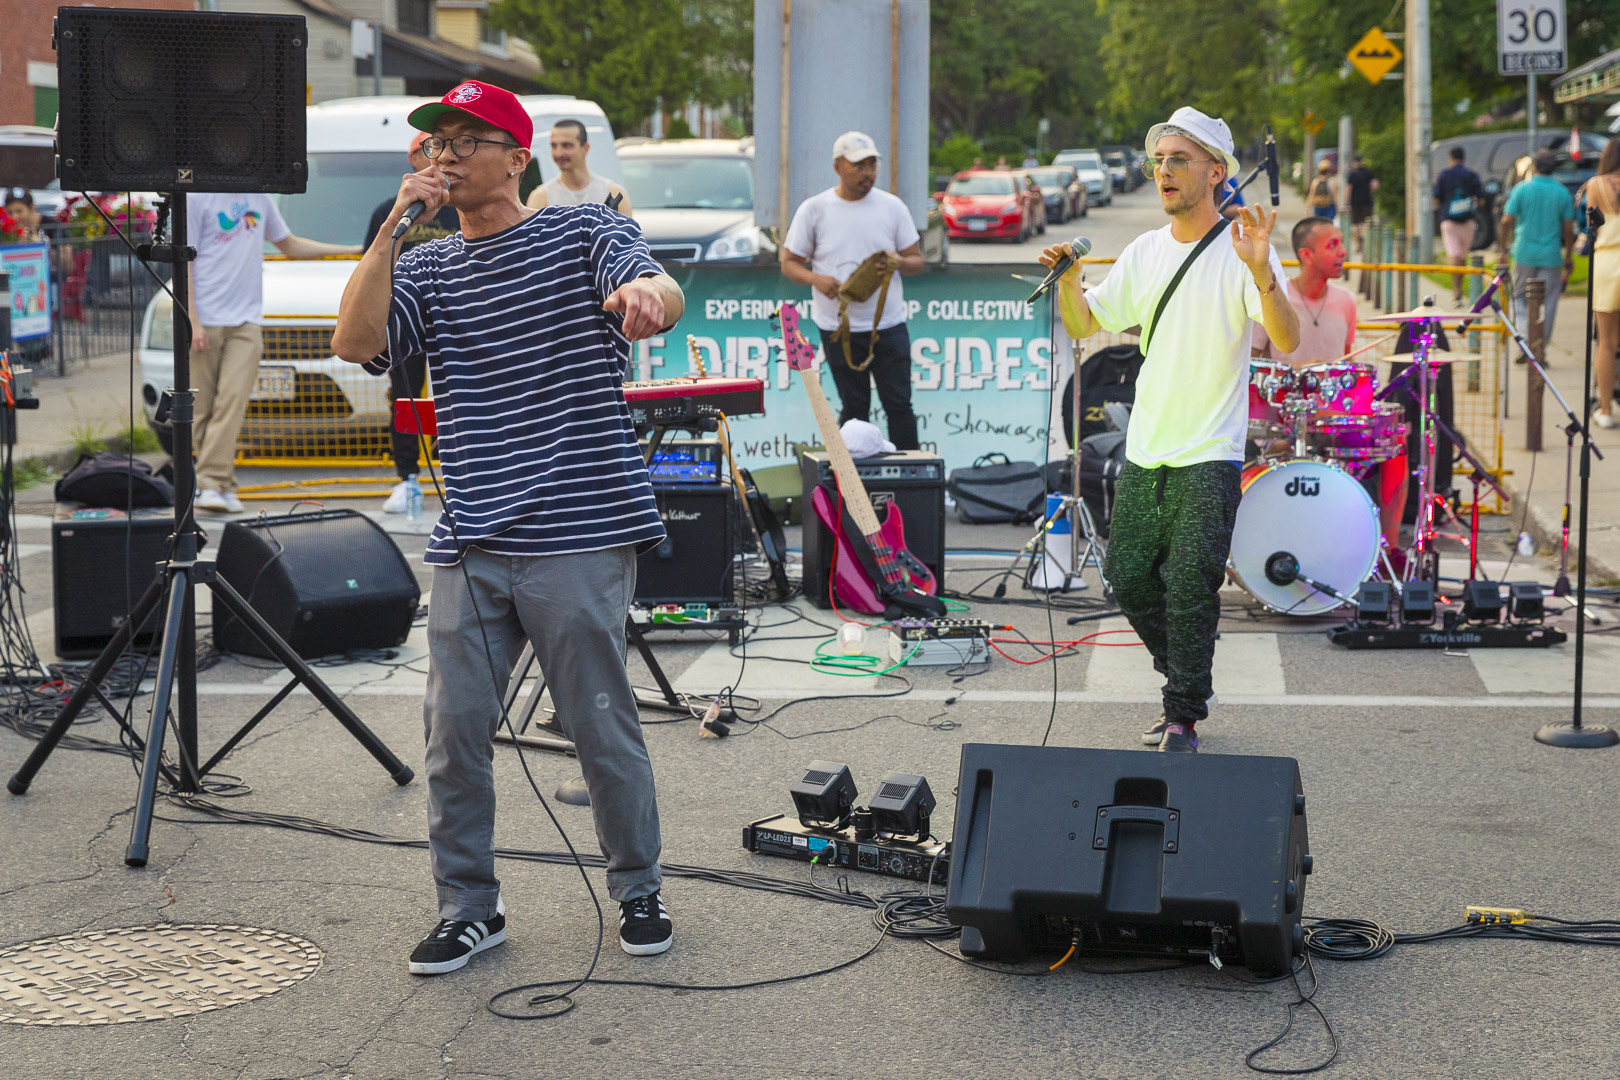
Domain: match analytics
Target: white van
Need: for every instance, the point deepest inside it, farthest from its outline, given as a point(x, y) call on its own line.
point(307, 402)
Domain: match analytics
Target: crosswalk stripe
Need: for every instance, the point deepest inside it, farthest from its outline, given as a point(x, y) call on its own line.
point(1244, 664)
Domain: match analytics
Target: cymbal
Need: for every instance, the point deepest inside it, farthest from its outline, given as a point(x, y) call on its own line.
point(1422, 313)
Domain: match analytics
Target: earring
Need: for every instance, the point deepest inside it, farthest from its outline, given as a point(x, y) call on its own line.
point(511, 174)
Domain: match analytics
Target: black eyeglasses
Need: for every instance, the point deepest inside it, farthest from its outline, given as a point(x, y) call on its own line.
point(463, 146)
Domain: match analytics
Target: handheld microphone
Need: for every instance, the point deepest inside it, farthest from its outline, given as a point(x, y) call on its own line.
point(1271, 165)
point(1079, 248)
point(412, 212)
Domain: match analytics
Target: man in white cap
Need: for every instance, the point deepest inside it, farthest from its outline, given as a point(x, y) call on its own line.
point(833, 233)
point(1196, 287)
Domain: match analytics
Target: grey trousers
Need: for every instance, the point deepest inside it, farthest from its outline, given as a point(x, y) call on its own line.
point(572, 609)
point(1554, 277)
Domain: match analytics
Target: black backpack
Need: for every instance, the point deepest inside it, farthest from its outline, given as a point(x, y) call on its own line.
point(1107, 375)
point(116, 482)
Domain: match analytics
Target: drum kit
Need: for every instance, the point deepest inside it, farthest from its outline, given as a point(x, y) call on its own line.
point(1307, 533)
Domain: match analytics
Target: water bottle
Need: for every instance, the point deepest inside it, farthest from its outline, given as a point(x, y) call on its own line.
point(413, 499)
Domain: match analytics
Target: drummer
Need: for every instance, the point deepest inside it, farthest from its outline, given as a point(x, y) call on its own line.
point(1327, 330)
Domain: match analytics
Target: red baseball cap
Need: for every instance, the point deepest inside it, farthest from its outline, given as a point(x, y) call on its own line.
point(487, 104)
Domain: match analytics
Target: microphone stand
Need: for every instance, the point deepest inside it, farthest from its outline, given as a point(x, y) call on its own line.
point(1572, 734)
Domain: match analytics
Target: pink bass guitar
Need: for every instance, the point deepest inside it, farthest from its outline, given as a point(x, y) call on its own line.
point(873, 572)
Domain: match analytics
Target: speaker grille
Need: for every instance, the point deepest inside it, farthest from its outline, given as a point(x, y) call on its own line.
point(892, 791)
point(181, 101)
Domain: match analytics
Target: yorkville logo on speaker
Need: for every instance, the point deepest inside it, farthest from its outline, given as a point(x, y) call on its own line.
point(464, 93)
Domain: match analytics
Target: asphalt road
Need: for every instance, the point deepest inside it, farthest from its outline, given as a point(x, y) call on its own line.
point(1425, 793)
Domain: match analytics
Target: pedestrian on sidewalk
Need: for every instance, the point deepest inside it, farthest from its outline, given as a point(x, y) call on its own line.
point(1458, 195)
point(1362, 183)
point(226, 303)
point(413, 368)
point(1603, 192)
point(1538, 228)
point(1324, 193)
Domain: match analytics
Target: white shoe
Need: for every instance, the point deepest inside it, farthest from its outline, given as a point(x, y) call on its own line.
point(1604, 420)
point(395, 503)
point(214, 502)
point(233, 504)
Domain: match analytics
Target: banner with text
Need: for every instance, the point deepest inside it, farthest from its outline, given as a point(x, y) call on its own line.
point(980, 358)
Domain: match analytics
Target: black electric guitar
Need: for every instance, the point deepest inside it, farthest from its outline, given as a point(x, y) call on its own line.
point(772, 541)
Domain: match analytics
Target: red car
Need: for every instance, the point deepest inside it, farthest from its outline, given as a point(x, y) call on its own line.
point(992, 203)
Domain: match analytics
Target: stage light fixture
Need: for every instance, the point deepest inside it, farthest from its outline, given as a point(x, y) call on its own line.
point(1373, 602)
point(902, 805)
point(1482, 602)
point(1526, 602)
point(824, 795)
point(1417, 602)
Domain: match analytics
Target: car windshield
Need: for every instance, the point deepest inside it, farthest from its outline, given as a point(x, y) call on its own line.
point(1050, 177)
point(981, 185)
point(689, 183)
point(1114, 157)
point(344, 190)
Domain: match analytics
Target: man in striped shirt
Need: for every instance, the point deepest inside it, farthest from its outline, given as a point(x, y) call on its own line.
point(526, 318)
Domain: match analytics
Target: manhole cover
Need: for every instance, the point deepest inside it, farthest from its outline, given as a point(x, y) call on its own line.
point(147, 973)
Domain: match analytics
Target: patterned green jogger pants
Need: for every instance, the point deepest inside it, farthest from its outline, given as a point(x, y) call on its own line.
point(1167, 549)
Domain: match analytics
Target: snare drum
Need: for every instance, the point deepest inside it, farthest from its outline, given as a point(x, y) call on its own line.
point(1376, 436)
point(1270, 383)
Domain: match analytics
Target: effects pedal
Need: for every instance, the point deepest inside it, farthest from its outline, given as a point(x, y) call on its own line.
point(787, 838)
point(939, 642)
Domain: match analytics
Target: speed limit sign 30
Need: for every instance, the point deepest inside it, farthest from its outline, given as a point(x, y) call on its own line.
point(1530, 37)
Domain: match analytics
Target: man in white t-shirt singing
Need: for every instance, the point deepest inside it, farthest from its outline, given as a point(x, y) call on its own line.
point(831, 235)
point(227, 339)
point(1178, 495)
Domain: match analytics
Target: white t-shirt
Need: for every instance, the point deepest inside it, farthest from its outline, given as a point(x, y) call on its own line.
point(1327, 325)
point(836, 235)
point(229, 233)
point(1191, 402)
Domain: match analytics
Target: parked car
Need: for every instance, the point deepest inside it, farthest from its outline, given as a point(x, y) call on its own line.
point(306, 400)
point(1123, 168)
point(990, 204)
point(694, 198)
point(1093, 174)
point(1065, 194)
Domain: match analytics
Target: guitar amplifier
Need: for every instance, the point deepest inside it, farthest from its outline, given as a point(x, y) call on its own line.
point(694, 563)
point(91, 590)
point(914, 480)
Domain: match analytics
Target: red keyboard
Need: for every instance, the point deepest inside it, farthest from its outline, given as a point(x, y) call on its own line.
point(658, 402)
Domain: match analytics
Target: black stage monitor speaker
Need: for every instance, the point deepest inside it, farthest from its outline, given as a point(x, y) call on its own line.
point(327, 582)
point(1129, 852)
point(693, 564)
point(90, 551)
point(180, 101)
point(914, 480)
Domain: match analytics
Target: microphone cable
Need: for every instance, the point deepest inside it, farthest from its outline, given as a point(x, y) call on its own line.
point(560, 1000)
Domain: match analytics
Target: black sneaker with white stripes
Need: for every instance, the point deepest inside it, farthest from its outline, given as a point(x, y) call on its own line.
point(644, 926)
point(454, 941)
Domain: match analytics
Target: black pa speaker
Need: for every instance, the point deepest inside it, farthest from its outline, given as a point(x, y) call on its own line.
point(101, 563)
point(914, 480)
point(1128, 851)
point(180, 101)
point(327, 582)
point(693, 564)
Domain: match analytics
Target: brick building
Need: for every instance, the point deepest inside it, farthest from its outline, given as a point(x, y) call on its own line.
point(28, 63)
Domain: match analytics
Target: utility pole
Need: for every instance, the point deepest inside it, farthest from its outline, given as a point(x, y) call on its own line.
point(1346, 153)
point(1419, 129)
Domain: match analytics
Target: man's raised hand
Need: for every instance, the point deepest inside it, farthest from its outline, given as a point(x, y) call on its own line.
point(1251, 238)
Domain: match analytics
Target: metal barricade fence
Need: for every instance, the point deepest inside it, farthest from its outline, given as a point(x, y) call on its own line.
point(99, 293)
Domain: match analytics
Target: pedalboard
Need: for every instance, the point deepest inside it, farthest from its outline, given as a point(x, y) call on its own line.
point(785, 837)
point(939, 642)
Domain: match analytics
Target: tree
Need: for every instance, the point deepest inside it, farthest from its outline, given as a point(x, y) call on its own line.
point(625, 55)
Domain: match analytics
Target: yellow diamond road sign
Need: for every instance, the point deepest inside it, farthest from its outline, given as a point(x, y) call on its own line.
point(1375, 55)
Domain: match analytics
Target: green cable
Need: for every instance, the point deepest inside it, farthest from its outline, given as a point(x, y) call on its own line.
point(856, 666)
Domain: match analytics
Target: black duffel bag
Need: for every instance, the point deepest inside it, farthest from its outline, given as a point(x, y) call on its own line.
point(116, 482)
point(996, 490)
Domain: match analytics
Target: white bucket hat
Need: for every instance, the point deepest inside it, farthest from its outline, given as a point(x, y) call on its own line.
point(1210, 132)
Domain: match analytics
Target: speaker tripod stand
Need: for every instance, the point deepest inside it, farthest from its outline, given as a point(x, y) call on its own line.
point(174, 589)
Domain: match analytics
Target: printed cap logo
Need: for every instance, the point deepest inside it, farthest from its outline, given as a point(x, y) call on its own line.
point(464, 93)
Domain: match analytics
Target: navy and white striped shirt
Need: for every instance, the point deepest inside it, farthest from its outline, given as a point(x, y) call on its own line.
point(535, 439)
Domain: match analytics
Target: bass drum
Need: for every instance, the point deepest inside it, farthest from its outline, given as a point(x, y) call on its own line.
point(1313, 511)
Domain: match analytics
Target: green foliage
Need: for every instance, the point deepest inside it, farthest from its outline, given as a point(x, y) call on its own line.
point(623, 54)
point(31, 472)
point(87, 440)
point(955, 154)
point(679, 129)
